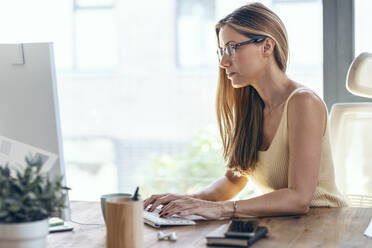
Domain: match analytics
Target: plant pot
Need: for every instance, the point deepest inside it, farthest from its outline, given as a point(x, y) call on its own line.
point(24, 235)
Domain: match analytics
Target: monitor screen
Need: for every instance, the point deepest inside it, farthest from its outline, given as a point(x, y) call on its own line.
point(29, 102)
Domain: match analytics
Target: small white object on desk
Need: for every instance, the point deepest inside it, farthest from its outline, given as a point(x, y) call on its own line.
point(167, 236)
point(58, 225)
point(63, 228)
point(368, 231)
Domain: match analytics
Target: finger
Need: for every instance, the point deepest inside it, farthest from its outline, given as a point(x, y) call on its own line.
point(172, 198)
point(166, 208)
point(180, 211)
point(160, 201)
point(148, 201)
point(180, 206)
point(151, 199)
point(184, 213)
point(169, 211)
point(173, 207)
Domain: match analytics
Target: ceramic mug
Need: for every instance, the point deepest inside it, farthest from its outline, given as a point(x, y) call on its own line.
point(108, 196)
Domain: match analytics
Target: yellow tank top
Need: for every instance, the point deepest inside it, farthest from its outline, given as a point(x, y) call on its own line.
point(271, 172)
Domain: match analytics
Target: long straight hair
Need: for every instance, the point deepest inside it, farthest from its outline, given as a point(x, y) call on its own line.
point(240, 110)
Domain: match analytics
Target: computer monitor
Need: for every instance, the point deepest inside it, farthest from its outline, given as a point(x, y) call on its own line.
point(29, 110)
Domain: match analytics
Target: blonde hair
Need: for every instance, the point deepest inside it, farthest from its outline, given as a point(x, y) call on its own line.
point(240, 110)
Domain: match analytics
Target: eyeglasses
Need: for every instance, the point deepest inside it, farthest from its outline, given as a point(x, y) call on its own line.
point(230, 49)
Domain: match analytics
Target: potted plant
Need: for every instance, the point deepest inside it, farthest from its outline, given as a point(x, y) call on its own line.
point(27, 199)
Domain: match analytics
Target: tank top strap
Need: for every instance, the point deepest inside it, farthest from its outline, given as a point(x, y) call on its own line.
point(285, 115)
point(306, 89)
point(294, 92)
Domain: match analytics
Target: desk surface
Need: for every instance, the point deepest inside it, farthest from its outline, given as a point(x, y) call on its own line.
point(321, 227)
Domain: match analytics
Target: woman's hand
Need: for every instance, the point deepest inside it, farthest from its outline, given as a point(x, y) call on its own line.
point(186, 206)
point(161, 199)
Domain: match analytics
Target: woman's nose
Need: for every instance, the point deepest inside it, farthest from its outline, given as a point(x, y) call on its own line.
point(225, 61)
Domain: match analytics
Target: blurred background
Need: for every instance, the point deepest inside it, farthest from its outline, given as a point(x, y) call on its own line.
point(137, 82)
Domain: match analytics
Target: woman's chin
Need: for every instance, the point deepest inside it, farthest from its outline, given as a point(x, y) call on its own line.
point(238, 84)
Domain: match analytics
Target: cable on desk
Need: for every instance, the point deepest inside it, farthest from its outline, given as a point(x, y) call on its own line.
point(87, 224)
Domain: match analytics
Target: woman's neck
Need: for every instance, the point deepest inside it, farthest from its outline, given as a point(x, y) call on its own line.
point(273, 87)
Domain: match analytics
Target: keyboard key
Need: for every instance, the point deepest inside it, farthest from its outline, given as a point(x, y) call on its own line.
point(154, 219)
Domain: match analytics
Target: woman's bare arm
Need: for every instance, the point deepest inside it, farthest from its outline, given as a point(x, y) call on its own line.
point(224, 188)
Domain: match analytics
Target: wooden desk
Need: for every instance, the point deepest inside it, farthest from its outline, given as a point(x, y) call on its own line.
point(321, 227)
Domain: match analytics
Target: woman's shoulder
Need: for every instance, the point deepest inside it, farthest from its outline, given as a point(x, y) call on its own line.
point(305, 106)
point(304, 97)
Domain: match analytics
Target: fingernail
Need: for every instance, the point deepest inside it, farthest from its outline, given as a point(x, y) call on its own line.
point(165, 214)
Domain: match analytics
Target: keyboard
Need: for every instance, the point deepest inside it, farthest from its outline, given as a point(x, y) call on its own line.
point(153, 219)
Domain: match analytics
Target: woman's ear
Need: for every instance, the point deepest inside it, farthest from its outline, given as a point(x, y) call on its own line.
point(268, 46)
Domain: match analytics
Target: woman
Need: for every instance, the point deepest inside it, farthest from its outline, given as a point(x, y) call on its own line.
point(274, 130)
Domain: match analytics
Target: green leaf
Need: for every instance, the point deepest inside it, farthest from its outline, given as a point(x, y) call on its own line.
point(18, 185)
point(6, 172)
point(10, 201)
point(43, 211)
point(34, 161)
point(14, 208)
point(29, 196)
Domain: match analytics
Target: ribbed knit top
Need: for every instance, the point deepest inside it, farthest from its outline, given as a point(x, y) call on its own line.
point(271, 171)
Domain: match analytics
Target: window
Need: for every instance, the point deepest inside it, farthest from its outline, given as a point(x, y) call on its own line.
point(303, 20)
point(153, 126)
point(195, 18)
point(39, 21)
point(363, 24)
point(148, 124)
point(95, 36)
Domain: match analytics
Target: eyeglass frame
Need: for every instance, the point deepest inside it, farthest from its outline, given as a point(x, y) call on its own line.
point(221, 51)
